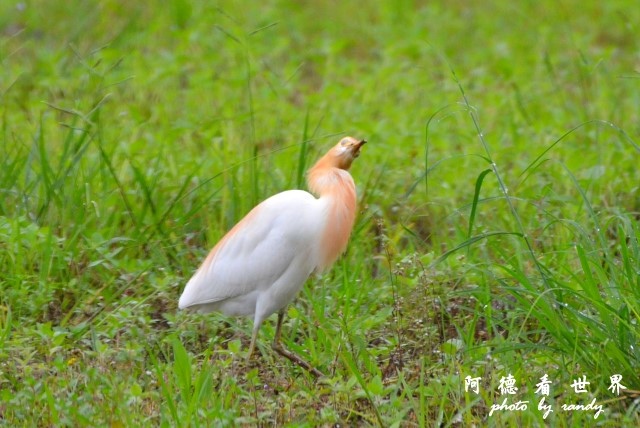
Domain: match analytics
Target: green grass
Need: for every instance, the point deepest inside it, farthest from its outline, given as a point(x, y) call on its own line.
point(497, 234)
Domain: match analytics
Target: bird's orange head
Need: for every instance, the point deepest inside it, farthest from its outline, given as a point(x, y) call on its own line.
point(342, 154)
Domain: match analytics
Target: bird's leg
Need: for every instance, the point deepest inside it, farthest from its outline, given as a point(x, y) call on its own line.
point(276, 337)
point(254, 337)
point(294, 358)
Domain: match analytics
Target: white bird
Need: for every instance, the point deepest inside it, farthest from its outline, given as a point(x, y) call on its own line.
point(260, 265)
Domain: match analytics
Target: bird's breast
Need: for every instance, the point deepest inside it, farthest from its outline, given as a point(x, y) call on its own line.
point(340, 204)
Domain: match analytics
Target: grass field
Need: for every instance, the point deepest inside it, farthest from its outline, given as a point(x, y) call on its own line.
point(497, 231)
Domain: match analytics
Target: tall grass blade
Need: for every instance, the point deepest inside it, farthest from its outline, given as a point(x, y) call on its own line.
point(302, 157)
point(476, 195)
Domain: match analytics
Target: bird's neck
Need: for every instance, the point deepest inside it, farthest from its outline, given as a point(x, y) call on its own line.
point(336, 188)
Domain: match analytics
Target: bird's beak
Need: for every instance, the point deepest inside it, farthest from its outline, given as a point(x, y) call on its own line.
point(356, 148)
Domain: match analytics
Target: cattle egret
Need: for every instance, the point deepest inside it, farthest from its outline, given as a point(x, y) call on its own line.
point(260, 265)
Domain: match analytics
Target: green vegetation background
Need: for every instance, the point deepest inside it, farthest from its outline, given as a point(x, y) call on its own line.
point(497, 234)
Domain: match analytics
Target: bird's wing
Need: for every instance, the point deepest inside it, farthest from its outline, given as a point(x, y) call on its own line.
point(280, 231)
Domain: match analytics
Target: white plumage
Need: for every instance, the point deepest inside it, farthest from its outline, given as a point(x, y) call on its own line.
point(260, 265)
point(263, 262)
